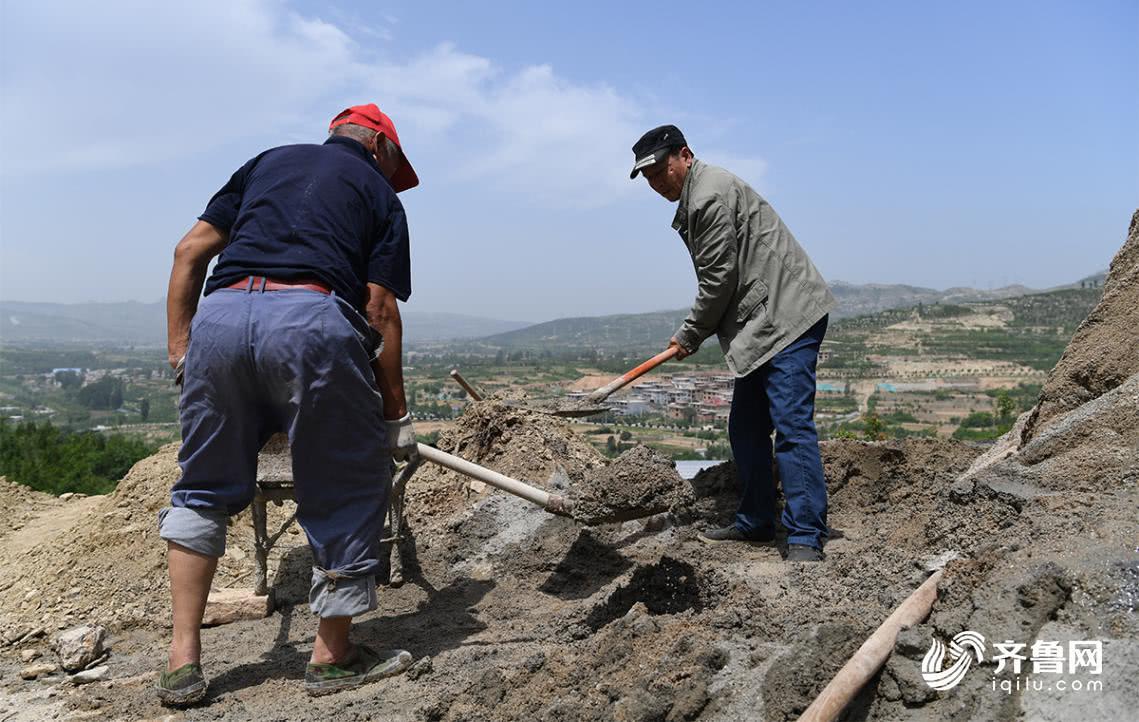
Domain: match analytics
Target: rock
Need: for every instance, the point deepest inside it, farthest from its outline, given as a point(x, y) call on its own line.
point(67, 495)
point(913, 642)
point(80, 646)
point(37, 670)
point(29, 655)
point(421, 667)
point(90, 675)
point(534, 662)
point(235, 605)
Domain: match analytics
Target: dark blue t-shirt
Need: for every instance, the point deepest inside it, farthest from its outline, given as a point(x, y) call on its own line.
point(320, 212)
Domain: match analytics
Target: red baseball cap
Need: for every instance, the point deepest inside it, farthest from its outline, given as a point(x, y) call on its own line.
point(372, 117)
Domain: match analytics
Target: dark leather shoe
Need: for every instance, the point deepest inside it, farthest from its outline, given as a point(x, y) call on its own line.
point(803, 553)
point(733, 534)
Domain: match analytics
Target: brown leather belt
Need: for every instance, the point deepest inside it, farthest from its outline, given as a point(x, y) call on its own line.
point(262, 283)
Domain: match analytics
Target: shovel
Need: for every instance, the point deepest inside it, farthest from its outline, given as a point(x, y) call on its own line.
point(623, 380)
point(593, 403)
point(553, 503)
point(583, 510)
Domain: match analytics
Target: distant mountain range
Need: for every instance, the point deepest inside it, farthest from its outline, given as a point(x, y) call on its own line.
point(144, 324)
point(650, 330)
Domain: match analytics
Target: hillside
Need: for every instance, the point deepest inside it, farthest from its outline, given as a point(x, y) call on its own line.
point(144, 324)
point(1058, 312)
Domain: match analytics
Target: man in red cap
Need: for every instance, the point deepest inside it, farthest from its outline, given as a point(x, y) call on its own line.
point(299, 331)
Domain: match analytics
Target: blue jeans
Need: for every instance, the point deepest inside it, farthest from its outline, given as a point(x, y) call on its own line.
point(295, 361)
point(780, 396)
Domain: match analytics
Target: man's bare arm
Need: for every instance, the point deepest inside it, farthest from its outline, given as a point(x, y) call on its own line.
point(383, 314)
point(192, 257)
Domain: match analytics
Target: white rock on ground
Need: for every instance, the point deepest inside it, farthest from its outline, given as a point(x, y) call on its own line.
point(234, 605)
point(37, 670)
point(80, 646)
point(90, 675)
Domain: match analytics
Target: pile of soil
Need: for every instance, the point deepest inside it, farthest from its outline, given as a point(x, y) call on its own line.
point(519, 442)
point(99, 560)
point(18, 504)
point(639, 483)
point(533, 447)
point(1102, 353)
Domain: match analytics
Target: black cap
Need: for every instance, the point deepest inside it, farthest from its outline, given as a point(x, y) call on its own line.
point(654, 146)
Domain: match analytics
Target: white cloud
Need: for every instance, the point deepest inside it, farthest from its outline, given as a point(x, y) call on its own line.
point(135, 84)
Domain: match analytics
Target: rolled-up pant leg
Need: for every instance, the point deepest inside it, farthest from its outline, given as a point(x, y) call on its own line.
point(316, 353)
point(790, 385)
point(222, 429)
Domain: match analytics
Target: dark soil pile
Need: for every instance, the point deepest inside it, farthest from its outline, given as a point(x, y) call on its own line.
point(639, 483)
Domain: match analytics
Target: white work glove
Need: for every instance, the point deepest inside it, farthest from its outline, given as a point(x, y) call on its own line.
point(401, 438)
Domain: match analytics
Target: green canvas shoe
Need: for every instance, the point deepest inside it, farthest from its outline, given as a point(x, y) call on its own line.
point(184, 686)
point(364, 666)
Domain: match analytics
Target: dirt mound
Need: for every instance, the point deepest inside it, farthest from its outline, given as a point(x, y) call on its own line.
point(105, 568)
point(519, 442)
point(18, 504)
point(99, 559)
point(1103, 351)
point(639, 483)
point(533, 447)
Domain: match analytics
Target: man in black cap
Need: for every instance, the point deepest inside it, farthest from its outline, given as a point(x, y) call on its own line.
point(761, 295)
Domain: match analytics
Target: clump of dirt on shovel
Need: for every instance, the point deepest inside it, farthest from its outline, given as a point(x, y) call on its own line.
point(639, 483)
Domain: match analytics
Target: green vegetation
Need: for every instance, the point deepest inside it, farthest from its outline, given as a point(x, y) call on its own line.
point(56, 460)
point(939, 311)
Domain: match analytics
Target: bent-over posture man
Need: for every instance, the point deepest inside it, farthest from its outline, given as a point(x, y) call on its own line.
point(761, 295)
point(299, 331)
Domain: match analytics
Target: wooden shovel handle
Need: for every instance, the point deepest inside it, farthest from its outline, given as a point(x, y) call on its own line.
point(605, 391)
point(553, 503)
point(466, 386)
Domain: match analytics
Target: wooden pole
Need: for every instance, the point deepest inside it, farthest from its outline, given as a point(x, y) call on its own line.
point(872, 654)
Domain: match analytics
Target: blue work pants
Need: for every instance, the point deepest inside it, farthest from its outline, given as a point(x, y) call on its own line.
point(294, 361)
point(780, 396)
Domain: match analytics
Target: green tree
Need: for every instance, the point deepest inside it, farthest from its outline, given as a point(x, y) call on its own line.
point(144, 409)
point(69, 380)
point(875, 430)
point(1005, 406)
point(56, 460)
point(104, 395)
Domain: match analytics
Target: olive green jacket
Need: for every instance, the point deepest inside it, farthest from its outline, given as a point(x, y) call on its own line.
point(758, 290)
